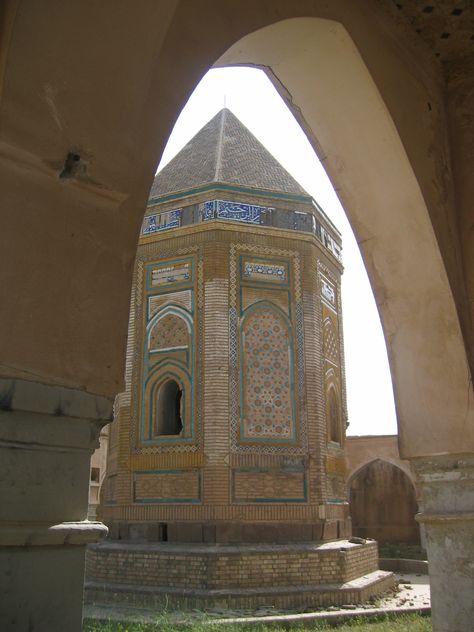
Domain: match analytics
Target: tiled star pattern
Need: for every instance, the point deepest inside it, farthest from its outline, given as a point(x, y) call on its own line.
point(169, 332)
point(267, 389)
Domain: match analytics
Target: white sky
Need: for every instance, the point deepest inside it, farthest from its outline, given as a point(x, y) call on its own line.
point(253, 99)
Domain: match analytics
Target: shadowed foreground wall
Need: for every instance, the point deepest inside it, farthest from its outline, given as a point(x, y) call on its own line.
point(387, 101)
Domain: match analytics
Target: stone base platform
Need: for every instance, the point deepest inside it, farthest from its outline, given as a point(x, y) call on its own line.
point(243, 576)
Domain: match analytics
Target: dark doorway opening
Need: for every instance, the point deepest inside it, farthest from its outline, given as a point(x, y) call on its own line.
point(168, 419)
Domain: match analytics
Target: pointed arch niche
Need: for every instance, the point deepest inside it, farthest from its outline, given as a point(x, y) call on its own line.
point(167, 392)
point(333, 415)
point(168, 419)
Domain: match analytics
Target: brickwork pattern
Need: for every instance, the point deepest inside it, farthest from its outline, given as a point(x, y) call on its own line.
point(295, 597)
point(168, 333)
point(213, 453)
point(171, 485)
point(253, 514)
point(284, 485)
point(230, 567)
point(182, 298)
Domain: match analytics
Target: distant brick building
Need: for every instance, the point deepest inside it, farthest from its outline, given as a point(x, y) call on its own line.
point(232, 426)
point(381, 490)
point(97, 472)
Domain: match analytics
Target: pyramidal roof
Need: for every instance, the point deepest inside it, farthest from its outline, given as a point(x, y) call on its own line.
point(224, 151)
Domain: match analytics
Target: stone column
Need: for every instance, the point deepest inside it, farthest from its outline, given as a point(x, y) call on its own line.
point(447, 491)
point(47, 436)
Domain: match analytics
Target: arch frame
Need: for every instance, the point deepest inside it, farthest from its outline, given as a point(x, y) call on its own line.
point(155, 395)
point(352, 475)
point(92, 223)
point(395, 244)
point(332, 387)
point(167, 370)
point(413, 497)
point(155, 373)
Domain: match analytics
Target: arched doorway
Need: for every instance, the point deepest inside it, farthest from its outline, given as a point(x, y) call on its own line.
point(383, 504)
point(168, 419)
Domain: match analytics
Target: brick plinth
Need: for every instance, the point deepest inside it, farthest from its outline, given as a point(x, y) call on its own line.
point(235, 576)
point(229, 532)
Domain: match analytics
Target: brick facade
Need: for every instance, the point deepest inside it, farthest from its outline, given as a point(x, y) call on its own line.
point(254, 477)
point(235, 312)
point(238, 576)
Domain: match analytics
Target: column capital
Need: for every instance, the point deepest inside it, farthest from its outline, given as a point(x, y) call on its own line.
point(67, 533)
point(446, 484)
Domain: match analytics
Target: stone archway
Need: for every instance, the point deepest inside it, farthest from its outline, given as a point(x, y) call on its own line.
point(354, 134)
point(383, 503)
point(82, 129)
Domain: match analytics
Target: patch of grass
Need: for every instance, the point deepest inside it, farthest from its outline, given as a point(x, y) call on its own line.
point(406, 623)
point(402, 551)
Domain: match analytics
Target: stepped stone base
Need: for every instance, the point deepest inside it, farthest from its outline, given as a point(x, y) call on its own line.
point(244, 576)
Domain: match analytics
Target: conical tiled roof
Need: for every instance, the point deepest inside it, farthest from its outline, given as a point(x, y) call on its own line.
point(225, 151)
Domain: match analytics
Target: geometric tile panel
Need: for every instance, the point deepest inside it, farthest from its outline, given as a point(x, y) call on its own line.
point(328, 292)
point(267, 376)
point(174, 272)
point(172, 486)
point(168, 333)
point(330, 341)
point(259, 271)
point(250, 485)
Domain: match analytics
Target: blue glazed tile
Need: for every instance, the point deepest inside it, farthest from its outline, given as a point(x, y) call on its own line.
point(161, 221)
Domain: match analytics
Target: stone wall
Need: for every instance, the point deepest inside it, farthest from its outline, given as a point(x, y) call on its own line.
point(245, 455)
point(186, 566)
point(317, 573)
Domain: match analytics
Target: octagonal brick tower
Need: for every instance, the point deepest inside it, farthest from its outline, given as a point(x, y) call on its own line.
point(232, 425)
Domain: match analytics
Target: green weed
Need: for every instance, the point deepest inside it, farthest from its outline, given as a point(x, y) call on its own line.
point(407, 623)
